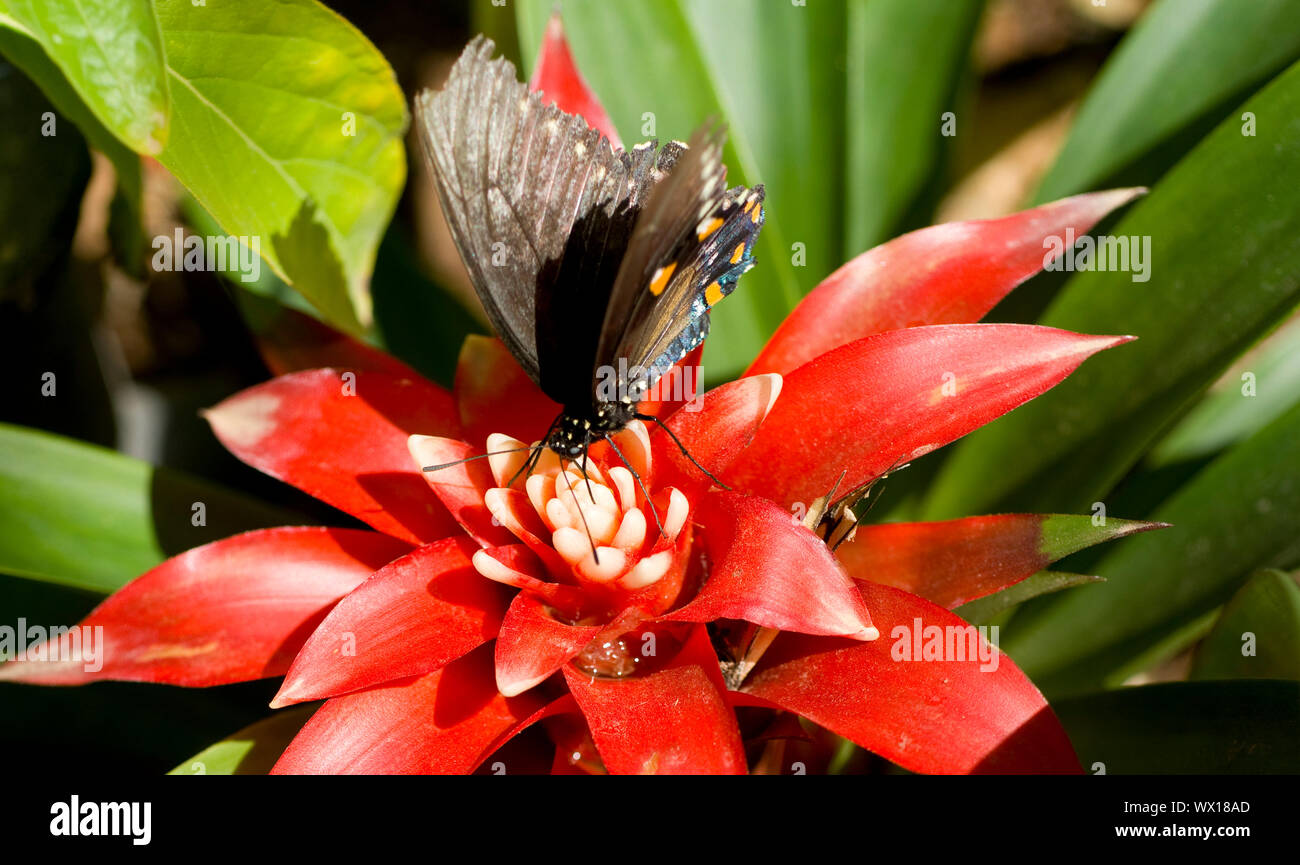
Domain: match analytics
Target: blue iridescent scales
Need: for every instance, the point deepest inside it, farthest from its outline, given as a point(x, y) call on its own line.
point(723, 250)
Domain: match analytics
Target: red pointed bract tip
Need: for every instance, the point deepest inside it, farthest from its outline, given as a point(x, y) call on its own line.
point(556, 75)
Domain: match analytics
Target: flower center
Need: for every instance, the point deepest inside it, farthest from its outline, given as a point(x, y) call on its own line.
point(604, 525)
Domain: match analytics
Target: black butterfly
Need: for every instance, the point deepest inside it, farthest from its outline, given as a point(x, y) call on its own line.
point(583, 256)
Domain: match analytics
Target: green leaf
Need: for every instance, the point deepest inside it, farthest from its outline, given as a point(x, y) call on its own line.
point(1242, 728)
point(1255, 391)
point(1239, 514)
point(90, 518)
point(111, 53)
point(1224, 268)
point(984, 610)
point(781, 96)
point(22, 50)
point(287, 126)
point(41, 178)
point(251, 751)
point(1257, 636)
point(285, 122)
point(1180, 70)
point(897, 96)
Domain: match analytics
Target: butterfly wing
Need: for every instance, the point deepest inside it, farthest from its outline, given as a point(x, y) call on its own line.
point(693, 241)
point(539, 205)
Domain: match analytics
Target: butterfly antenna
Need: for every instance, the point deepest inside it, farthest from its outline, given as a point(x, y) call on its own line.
point(595, 555)
point(531, 463)
point(476, 457)
point(586, 443)
point(653, 510)
point(672, 435)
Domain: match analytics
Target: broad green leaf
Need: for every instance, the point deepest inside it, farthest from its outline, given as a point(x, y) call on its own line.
point(90, 518)
point(898, 94)
point(1224, 267)
point(251, 751)
point(41, 179)
point(1256, 390)
point(287, 126)
point(1180, 70)
point(781, 97)
point(1257, 636)
point(1203, 728)
point(22, 50)
point(984, 610)
point(111, 53)
point(1239, 514)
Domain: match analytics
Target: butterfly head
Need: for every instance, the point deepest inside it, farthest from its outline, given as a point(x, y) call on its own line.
point(573, 432)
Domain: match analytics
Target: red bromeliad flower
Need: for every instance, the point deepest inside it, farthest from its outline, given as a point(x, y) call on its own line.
point(664, 626)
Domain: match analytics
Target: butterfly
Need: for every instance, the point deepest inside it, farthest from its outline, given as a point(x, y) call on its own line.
point(595, 265)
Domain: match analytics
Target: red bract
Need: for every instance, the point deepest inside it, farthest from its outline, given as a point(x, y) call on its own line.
point(626, 605)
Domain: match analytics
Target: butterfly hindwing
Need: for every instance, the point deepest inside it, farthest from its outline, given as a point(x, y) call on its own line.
point(672, 318)
point(515, 177)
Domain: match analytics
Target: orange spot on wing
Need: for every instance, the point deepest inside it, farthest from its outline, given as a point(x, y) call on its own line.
point(708, 228)
point(661, 277)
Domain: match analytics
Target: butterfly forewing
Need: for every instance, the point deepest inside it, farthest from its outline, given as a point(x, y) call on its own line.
point(704, 270)
point(514, 177)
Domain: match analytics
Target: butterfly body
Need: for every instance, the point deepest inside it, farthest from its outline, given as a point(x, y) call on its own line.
point(596, 266)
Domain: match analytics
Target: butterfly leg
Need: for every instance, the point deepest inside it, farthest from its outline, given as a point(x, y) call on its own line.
point(653, 511)
point(672, 435)
point(595, 555)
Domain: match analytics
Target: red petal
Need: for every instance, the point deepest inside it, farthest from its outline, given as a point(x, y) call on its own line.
point(674, 721)
point(440, 723)
point(460, 488)
point(946, 274)
point(934, 716)
point(868, 406)
point(294, 341)
point(413, 616)
point(495, 395)
point(950, 563)
point(714, 429)
point(557, 76)
point(767, 569)
point(532, 645)
point(230, 611)
point(679, 386)
point(345, 445)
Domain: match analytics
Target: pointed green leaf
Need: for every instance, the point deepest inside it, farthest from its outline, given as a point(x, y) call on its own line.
point(1240, 513)
point(1224, 267)
point(1181, 69)
point(897, 101)
point(88, 517)
point(1257, 636)
point(985, 609)
point(1254, 392)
